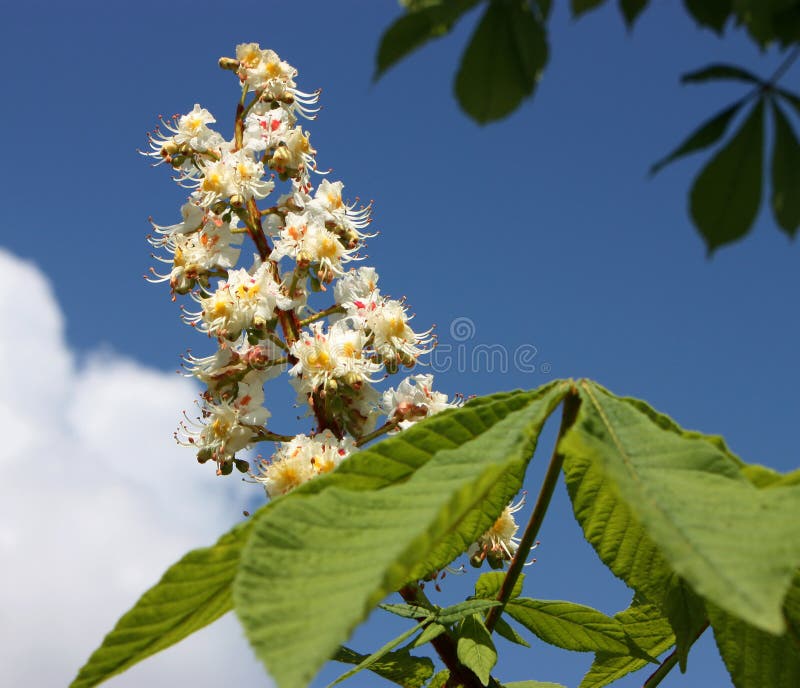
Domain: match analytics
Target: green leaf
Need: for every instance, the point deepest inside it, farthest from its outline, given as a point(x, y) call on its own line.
point(720, 72)
point(461, 610)
point(488, 585)
point(754, 658)
point(431, 631)
point(475, 649)
point(455, 473)
point(646, 625)
point(711, 13)
point(570, 626)
point(785, 174)
point(580, 7)
point(736, 545)
point(370, 661)
point(398, 667)
point(502, 63)
point(407, 611)
point(507, 631)
point(631, 9)
point(687, 616)
point(414, 29)
point(440, 680)
point(726, 194)
point(707, 134)
point(192, 593)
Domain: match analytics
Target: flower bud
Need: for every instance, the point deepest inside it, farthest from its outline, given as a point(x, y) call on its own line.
point(228, 63)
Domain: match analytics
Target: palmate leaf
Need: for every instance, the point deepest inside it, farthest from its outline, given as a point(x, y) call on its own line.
point(646, 625)
point(503, 61)
point(725, 196)
point(354, 548)
point(735, 545)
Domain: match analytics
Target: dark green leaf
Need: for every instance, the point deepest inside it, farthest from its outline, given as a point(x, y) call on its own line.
point(398, 667)
point(475, 649)
point(570, 626)
point(502, 63)
point(785, 174)
point(726, 194)
point(507, 631)
point(687, 616)
point(711, 13)
point(736, 545)
point(704, 136)
point(192, 593)
point(720, 72)
point(455, 473)
point(631, 9)
point(648, 628)
point(488, 585)
point(580, 7)
point(545, 7)
point(420, 25)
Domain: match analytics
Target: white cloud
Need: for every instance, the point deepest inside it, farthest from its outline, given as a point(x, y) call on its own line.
point(96, 500)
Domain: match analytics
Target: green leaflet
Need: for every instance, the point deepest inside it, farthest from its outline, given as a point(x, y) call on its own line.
point(398, 667)
point(475, 648)
point(192, 593)
point(351, 549)
point(707, 134)
point(646, 625)
point(711, 13)
point(734, 544)
point(725, 196)
point(419, 25)
point(785, 174)
point(571, 626)
point(503, 61)
point(720, 72)
point(488, 585)
point(631, 9)
point(754, 658)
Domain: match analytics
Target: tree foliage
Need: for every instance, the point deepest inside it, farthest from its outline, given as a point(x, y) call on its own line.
point(507, 54)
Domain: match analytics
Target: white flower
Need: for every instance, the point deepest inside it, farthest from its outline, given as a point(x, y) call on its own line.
point(245, 300)
point(393, 339)
point(266, 131)
point(413, 400)
point(193, 130)
point(499, 543)
point(197, 252)
point(248, 175)
point(335, 355)
point(357, 291)
point(307, 241)
point(228, 426)
point(336, 215)
point(302, 459)
point(224, 367)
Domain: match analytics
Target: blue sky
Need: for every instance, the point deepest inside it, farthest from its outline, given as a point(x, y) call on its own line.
point(542, 230)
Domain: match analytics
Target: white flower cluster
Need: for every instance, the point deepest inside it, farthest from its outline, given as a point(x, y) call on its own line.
point(262, 316)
